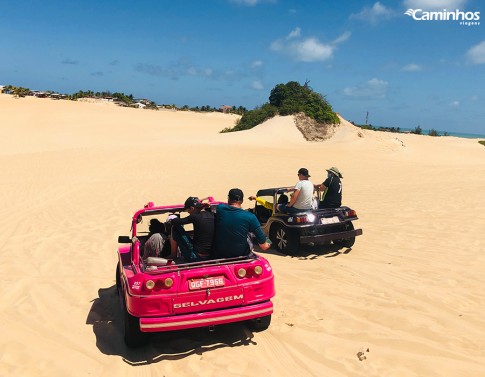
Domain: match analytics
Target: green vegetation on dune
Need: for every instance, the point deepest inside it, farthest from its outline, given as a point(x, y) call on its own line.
point(288, 99)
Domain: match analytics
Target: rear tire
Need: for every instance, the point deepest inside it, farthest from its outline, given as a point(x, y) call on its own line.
point(259, 324)
point(285, 240)
point(348, 242)
point(118, 278)
point(133, 336)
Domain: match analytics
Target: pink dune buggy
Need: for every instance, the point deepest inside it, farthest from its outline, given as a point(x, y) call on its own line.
point(159, 294)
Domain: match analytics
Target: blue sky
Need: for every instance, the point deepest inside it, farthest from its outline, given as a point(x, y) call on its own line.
point(363, 56)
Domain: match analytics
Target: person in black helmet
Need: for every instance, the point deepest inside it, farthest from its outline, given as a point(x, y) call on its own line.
point(202, 218)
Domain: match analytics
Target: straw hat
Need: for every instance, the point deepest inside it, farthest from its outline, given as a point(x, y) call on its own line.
point(335, 171)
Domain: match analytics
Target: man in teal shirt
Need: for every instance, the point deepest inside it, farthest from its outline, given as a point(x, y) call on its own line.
point(233, 228)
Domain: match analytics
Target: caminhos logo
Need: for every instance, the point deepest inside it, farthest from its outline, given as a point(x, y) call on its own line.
point(464, 18)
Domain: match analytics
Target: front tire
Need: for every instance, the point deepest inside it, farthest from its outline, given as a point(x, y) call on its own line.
point(285, 240)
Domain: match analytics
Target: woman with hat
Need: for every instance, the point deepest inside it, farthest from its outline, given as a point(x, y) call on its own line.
point(332, 189)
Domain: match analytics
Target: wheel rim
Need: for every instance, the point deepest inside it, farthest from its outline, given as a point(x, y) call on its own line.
point(281, 239)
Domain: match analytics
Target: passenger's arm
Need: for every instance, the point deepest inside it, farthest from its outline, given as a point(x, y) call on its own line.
point(181, 220)
point(255, 228)
point(293, 198)
point(265, 203)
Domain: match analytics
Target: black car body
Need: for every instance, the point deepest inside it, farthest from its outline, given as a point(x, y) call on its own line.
point(316, 226)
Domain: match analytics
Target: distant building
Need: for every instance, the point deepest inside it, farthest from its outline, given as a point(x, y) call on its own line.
point(225, 109)
point(143, 101)
point(140, 105)
point(39, 94)
point(57, 96)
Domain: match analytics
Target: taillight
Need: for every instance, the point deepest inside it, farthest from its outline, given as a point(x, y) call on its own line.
point(159, 283)
point(309, 218)
point(150, 284)
point(350, 213)
point(249, 272)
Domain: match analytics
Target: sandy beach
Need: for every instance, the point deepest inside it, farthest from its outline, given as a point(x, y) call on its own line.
point(409, 295)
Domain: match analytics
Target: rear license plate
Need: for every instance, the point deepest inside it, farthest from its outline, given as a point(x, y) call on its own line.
point(329, 220)
point(212, 282)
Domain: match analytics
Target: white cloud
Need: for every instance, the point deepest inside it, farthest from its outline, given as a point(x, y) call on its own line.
point(207, 72)
point(256, 64)
point(294, 33)
point(257, 85)
point(373, 88)
point(412, 67)
point(455, 104)
point(476, 54)
point(373, 15)
point(251, 2)
point(182, 68)
point(434, 4)
point(204, 72)
point(306, 49)
point(311, 50)
point(342, 38)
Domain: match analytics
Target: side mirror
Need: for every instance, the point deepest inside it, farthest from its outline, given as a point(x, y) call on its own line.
point(124, 239)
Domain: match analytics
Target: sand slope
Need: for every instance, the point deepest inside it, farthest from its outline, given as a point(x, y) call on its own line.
point(410, 291)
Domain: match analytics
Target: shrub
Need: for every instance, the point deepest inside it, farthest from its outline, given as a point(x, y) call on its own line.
point(289, 99)
point(418, 130)
point(252, 118)
point(293, 98)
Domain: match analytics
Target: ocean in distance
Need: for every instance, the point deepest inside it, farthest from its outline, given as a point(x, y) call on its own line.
point(466, 136)
point(455, 134)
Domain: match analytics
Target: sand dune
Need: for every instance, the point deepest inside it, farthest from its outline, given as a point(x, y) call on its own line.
point(408, 296)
